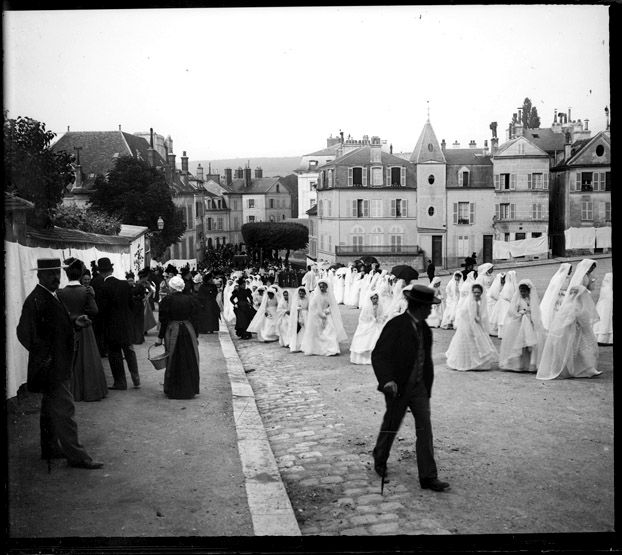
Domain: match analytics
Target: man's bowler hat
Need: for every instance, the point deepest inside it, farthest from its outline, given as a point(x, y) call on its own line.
point(421, 294)
point(104, 265)
point(48, 264)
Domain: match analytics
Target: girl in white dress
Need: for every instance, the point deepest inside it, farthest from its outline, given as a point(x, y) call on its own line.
point(282, 319)
point(264, 323)
point(452, 296)
point(340, 283)
point(324, 330)
point(603, 329)
point(551, 300)
point(436, 313)
point(471, 347)
point(493, 296)
point(355, 289)
point(502, 305)
point(523, 334)
point(228, 313)
point(466, 292)
point(583, 274)
point(371, 320)
point(364, 288)
point(298, 316)
point(484, 276)
point(571, 349)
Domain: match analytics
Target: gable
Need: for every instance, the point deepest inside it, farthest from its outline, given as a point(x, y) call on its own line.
point(596, 152)
point(520, 147)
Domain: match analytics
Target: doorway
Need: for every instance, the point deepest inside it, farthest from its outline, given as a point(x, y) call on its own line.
point(437, 250)
point(487, 255)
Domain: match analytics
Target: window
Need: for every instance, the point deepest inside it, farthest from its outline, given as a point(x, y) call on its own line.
point(251, 203)
point(535, 234)
point(331, 178)
point(376, 208)
point(536, 212)
point(357, 238)
point(251, 219)
point(430, 179)
point(320, 208)
point(464, 213)
point(360, 208)
point(600, 181)
point(236, 223)
point(322, 242)
point(278, 188)
point(396, 177)
point(376, 236)
point(463, 178)
point(430, 147)
point(312, 185)
point(357, 177)
point(505, 181)
point(600, 150)
point(376, 177)
point(399, 208)
point(209, 224)
point(519, 236)
point(312, 203)
point(521, 148)
point(219, 204)
point(463, 246)
point(219, 223)
point(586, 181)
point(431, 211)
point(607, 181)
point(535, 181)
point(607, 211)
point(271, 203)
point(396, 235)
point(506, 236)
point(586, 210)
point(235, 204)
point(329, 208)
point(330, 242)
point(506, 211)
point(310, 226)
point(197, 209)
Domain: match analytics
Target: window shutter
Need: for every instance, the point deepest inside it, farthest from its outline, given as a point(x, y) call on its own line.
point(404, 209)
point(512, 211)
point(577, 185)
point(460, 178)
point(364, 172)
point(513, 181)
point(497, 211)
point(354, 208)
point(366, 209)
point(393, 208)
point(546, 181)
point(388, 177)
point(349, 177)
point(472, 215)
point(456, 212)
point(533, 211)
point(529, 183)
point(403, 176)
point(497, 181)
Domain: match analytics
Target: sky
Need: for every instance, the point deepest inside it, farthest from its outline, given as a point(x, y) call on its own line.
point(250, 82)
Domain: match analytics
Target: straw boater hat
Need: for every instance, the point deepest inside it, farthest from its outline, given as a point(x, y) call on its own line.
point(49, 264)
point(421, 294)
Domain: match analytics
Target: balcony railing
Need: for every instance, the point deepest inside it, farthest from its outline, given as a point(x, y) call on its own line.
point(377, 250)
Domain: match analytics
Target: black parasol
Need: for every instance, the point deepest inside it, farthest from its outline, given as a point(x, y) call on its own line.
point(370, 260)
point(405, 272)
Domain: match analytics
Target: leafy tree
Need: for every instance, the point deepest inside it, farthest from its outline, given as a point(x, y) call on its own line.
point(85, 219)
point(274, 236)
point(530, 118)
point(137, 194)
point(32, 170)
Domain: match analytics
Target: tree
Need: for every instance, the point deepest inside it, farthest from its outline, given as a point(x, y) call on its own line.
point(32, 170)
point(530, 118)
point(84, 219)
point(137, 194)
point(268, 236)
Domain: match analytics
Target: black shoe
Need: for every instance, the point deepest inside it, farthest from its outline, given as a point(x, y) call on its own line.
point(380, 468)
point(120, 387)
point(88, 464)
point(434, 484)
point(136, 380)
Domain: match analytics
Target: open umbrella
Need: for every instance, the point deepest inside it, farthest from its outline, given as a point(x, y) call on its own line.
point(370, 260)
point(404, 272)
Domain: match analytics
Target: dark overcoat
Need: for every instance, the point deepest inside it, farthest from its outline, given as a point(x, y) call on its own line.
point(116, 311)
point(396, 350)
point(46, 330)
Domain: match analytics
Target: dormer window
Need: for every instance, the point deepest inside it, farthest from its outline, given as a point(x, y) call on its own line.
point(463, 177)
point(277, 188)
point(430, 147)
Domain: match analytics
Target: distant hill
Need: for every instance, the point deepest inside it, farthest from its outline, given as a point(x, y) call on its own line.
point(271, 166)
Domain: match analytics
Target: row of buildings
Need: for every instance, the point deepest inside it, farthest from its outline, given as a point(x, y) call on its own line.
point(214, 206)
point(548, 185)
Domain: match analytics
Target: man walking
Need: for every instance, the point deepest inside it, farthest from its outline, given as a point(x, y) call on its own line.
point(115, 308)
point(402, 362)
point(46, 330)
point(430, 270)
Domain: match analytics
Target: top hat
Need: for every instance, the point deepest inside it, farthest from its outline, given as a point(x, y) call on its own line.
point(421, 294)
point(48, 264)
point(170, 269)
point(104, 264)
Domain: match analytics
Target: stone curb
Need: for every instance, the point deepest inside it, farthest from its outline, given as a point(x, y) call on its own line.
point(271, 510)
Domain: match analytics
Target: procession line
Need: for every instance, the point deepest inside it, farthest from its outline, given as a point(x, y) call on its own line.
point(271, 510)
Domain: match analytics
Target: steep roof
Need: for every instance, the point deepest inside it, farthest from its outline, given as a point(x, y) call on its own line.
point(328, 151)
point(257, 186)
point(63, 238)
point(579, 148)
point(467, 157)
point(362, 156)
point(546, 139)
point(13, 202)
point(427, 148)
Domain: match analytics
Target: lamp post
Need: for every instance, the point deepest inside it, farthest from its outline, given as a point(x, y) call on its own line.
point(160, 224)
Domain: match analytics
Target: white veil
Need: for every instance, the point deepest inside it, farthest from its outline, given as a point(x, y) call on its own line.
point(551, 295)
point(292, 330)
point(260, 315)
point(580, 272)
point(314, 309)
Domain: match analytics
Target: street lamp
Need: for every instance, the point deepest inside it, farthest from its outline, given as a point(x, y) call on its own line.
point(160, 223)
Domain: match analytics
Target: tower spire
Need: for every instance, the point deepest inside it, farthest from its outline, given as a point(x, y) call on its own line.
point(428, 110)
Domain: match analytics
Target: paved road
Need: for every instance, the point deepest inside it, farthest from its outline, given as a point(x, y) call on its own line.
point(522, 456)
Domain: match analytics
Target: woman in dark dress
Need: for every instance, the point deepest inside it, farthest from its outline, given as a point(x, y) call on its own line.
point(139, 293)
point(178, 322)
point(149, 319)
point(242, 301)
point(88, 381)
point(210, 311)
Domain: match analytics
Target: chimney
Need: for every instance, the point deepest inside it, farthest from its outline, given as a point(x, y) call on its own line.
point(555, 116)
point(67, 129)
point(184, 163)
point(375, 151)
point(170, 167)
point(228, 179)
point(258, 173)
point(247, 177)
point(456, 144)
point(494, 146)
point(472, 144)
point(341, 133)
point(485, 150)
point(569, 116)
point(607, 114)
point(443, 145)
point(151, 158)
point(391, 149)
point(119, 127)
point(200, 172)
point(587, 121)
point(568, 146)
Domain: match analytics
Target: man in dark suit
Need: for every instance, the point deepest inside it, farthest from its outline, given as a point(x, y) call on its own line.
point(430, 270)
point(46, 329)
point(97, 283)
point(115, 307)
point(402, 362)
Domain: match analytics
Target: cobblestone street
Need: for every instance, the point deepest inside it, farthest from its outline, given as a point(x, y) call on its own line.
point(518, 452)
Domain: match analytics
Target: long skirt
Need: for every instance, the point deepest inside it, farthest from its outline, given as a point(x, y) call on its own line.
point(243, 317)
point(209, 315)
point(88, 381)
point(150, 321)
point(181, 378)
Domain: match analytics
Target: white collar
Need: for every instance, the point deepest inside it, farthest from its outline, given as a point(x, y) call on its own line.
point(53, 293)
point(73, 282)
point(109, 276)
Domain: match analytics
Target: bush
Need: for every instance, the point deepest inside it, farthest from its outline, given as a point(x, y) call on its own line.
point(84, 219)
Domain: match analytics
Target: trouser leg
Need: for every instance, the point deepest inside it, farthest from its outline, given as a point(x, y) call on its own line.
point(394, 413)
point(61, 409)
point(115, 358)
point(132, 364)
point(49, 441)
point(419, 403)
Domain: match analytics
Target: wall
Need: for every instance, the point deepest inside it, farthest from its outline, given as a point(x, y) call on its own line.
point(431, 195)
